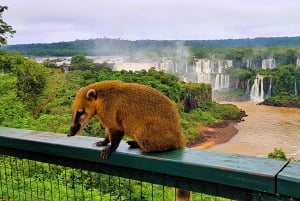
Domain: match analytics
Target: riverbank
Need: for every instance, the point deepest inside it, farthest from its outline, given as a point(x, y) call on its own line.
point(211, 136)
point(264, 129)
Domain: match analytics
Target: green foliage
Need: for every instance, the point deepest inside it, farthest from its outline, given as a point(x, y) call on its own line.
point(228, 49)
point(283, 99)
point(221, 111)
point(53, 92)
point(278, 154)
point(80, 60)
point(207, 113)
point(23, 179)
point(31, 82)
point(195, 93)
point(191, 121)
point(166, 83)
point(94, 129)
point(9, 61)
point(12, 110)
point(38, 84)
point(284, 78)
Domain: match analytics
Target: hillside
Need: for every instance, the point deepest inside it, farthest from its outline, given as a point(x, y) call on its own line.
point(149, 48)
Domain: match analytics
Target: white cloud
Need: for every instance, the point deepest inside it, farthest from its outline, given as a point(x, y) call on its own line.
point(66, 20)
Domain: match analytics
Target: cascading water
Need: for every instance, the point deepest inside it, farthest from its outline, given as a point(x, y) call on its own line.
point(295, 88)
point(248, 87)
point(210, 71)
point(66, 69)
point(257, 89)
point(268, 63)
point(203, 71)
point(269, 93)
point(221, 81)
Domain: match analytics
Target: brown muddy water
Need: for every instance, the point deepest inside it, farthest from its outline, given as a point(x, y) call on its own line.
point(264, 129)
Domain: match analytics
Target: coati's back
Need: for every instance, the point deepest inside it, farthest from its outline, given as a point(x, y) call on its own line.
point(136, 99)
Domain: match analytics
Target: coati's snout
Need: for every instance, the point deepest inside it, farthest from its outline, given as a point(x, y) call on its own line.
point(76, 124)
point(83, 110)
point(74, 129)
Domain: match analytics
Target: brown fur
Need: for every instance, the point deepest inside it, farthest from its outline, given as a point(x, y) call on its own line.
point(182, 195)
point(141, 112)
point(138, 111)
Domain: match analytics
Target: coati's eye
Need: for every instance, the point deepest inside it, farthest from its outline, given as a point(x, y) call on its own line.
point(79, 114)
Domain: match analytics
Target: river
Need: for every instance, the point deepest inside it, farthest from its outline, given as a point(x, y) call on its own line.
point(264, 129)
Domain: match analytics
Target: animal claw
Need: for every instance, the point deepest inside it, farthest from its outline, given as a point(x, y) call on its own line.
point(100, 143)
point(106, 153)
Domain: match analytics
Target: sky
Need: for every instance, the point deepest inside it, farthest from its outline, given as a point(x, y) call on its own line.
point(45, 21)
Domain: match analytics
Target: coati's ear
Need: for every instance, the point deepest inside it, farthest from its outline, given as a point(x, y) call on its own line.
point(91, 94)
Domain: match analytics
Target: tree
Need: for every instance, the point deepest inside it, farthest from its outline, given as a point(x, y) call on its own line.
point(80, 60)
point(195, 93)
point(53, 83)
point(5, 29)
point(31, 80)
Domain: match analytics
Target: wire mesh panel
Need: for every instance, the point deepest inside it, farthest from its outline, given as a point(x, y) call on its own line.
point(48, 166)
point(24, 179)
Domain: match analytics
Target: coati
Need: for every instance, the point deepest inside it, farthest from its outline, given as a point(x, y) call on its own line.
point(141, 112)
point(138, 111)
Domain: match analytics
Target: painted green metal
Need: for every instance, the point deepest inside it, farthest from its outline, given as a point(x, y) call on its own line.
point(244, 172)
point(289, 180)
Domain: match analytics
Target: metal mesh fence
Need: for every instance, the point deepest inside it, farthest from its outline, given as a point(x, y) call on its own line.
point(24, 179)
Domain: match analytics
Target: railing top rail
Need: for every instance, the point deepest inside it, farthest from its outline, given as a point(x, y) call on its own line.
point(253, 173)
point(288, 180)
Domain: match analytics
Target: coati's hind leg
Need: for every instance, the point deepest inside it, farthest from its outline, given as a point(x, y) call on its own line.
point(115, 139)
point(133, 144)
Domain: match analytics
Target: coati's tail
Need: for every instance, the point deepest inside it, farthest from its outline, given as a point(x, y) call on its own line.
point(182, 195)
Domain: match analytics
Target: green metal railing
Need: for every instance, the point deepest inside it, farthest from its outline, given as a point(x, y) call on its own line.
point(48, 166)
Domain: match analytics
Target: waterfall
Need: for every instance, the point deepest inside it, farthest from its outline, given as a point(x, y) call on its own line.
point(248, 87)
point(237, 83)
point(221, 81)
point(257, 89)
point(210, 71)
point(203, 71)
point(66, 69)
point(296, 90)
point(186, 67)
point(217, 81)
point(203, 78)
point(269, 93)
point(268, 63)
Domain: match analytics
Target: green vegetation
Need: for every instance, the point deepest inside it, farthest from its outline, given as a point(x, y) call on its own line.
point(279, 154)
point(36, 97)
point(285, 81)
point(285, 50)
point(283, 100)
point(229, 49)
point(39, 97)
point(23, 179)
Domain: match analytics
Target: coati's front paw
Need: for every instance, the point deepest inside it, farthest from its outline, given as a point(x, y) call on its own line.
point(106, 152)
point(101, 143)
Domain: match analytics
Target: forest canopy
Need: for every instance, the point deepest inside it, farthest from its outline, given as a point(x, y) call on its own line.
point(151, 48)
point(36, 97)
